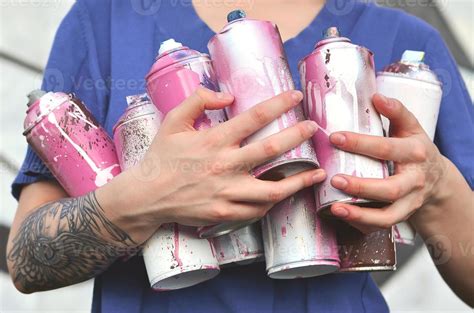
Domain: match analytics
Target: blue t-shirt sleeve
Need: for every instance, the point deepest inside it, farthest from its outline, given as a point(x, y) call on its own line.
point(455, 128)
point(69, 69)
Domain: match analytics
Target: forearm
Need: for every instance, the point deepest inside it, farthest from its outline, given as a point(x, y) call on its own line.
point(446, 224)
point(63, 243)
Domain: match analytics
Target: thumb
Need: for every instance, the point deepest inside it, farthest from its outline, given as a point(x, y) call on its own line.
point(402, 122)
point(182, 117)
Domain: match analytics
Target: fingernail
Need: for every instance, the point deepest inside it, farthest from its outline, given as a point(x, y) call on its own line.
point(340, 211)
point(338, 139)
point(297, 96)
point(339, 182)
point(386, 101)
point(312, 126)
point(223, 96)
point(318, 176)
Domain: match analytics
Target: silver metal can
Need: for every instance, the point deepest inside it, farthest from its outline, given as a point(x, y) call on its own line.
point(416, 86)
point(297, 242)
point(338, 80)
point(175, 257)
point(242, 246)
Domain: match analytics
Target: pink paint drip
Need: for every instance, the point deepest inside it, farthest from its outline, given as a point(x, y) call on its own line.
point(176, 245)
point(283, 231)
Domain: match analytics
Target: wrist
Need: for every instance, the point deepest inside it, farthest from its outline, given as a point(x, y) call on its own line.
point(122, 202)
point(429, 218)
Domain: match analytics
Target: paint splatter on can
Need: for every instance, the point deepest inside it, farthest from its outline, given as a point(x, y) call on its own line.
point(175, 257)
point(338, 80)
point(242, 246)
point(71, 143)
point(417, 87)
point(298, 243)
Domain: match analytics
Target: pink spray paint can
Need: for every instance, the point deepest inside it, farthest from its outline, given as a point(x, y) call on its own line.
point(250, 64)
point(175, 257)
point(338, 80)
point(297, 242)
point(240, 247)
point(177, 72)
point(70, 142)
point(412, 83)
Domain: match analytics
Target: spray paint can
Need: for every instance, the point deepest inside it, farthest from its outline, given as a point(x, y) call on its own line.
point(250, 63)
point(412, 83)
point(241, 247)
point(177, 72)
point(338, 80)
point(70, 142)
point(175, 257)
point(359, 252)
point(298, 243)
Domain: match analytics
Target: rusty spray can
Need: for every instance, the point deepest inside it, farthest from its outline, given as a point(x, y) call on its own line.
point(174, 256)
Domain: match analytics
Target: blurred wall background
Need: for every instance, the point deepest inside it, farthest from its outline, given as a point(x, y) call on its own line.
point(27, 28)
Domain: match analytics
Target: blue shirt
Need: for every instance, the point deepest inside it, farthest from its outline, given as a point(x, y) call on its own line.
point(102, 51)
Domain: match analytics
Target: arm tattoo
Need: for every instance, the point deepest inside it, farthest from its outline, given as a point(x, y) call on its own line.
point(65, 242)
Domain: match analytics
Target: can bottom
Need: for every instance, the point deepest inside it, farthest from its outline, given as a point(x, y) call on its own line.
point(324, 210)
point(303, 269)
point(223, 228)
point(286, 169)
point(183, 277)
point(243, 259)
point(381, 268)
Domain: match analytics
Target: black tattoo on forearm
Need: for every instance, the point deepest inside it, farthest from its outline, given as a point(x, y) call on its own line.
point(65, 242)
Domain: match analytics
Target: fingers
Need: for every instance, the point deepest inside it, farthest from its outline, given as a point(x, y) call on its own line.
point(402, 122)
point(393, 149)
point(372, 219)
point(388, 189)
point(258, 152)
point(182, 118)
point(260, 191)
point(248, 122)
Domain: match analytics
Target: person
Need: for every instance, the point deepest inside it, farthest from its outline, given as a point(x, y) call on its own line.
point(102, 51)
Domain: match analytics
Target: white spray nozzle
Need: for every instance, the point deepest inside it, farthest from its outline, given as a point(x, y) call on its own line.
point(169, 45)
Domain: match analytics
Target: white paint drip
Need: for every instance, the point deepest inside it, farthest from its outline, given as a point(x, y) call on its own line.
point(102, 175)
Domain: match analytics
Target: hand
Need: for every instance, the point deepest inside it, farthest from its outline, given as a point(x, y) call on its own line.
point(418, 168)
point(202, 177)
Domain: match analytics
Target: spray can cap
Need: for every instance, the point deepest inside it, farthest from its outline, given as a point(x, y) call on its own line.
point(235, 15)
point(35, 95)
point(331, 32)
point(411, 56)
point(169, 45)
